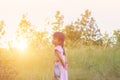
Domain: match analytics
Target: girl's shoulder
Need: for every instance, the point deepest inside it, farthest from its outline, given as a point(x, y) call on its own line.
point(59, 48)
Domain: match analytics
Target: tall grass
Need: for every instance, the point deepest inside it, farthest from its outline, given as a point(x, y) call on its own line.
point(91, 63)
point(84, 62)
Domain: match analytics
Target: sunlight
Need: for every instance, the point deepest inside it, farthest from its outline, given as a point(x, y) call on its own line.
point(20, 44)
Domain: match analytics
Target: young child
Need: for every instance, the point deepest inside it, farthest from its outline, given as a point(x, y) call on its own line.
point(60, 63)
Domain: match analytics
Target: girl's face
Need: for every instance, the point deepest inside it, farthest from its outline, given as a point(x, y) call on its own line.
point(55, 41)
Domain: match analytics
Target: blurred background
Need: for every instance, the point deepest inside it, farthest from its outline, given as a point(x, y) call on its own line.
point(92, 42)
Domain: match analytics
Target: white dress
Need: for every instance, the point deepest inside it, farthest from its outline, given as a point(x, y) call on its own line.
point(59, 70)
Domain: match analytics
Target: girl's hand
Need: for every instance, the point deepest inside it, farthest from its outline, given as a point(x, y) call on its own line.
point(66, 66)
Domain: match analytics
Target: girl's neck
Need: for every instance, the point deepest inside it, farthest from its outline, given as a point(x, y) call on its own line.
point(58, 45)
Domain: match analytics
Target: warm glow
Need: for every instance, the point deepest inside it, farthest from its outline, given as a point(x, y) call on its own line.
point(20, 44)
point(105, 12)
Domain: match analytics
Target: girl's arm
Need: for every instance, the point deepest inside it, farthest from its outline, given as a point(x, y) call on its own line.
point(60, 58)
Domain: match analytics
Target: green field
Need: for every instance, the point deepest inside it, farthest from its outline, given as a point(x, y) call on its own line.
point(85, 63)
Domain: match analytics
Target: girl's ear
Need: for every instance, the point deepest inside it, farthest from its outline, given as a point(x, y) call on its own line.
point(59, 41)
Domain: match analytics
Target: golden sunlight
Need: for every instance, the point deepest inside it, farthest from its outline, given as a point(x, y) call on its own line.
point(20, 44)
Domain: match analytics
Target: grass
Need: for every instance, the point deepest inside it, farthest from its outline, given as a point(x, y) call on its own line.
point(94, 64)
point(85, 63)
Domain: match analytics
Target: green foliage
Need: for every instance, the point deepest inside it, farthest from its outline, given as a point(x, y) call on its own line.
point(84, 63)
point(117, 36)
point(72, 33)
point(91, 32)
point(93, 63)
point(84, 30)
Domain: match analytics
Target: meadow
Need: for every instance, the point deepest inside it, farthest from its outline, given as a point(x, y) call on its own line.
point(85, 63)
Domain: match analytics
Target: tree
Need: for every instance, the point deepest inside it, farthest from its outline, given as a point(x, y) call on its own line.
point(108, 41)
point(40, 40)
point(27, 31)
point(90, 30)
point(24, 27)
point(24, 31)
point(2, 33)
point(85, 30)
point(7, 61)
point(57, 24)
point(2, 30)
point(116, 35)
point(72, 33)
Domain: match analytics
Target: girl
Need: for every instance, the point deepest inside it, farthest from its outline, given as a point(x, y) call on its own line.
point(60, 63)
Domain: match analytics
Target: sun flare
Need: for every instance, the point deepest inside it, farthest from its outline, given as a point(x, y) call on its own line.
point(20, 44)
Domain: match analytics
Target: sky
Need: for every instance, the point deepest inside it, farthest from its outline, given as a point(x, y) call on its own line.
point(105, 12)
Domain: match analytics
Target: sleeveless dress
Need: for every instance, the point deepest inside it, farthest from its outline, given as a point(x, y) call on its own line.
point(59, 71)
